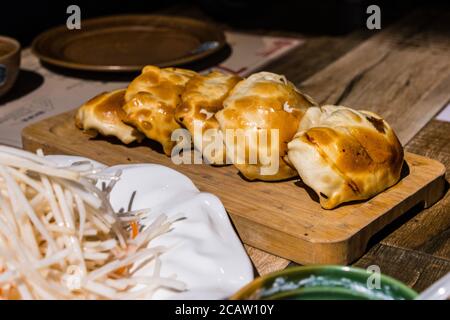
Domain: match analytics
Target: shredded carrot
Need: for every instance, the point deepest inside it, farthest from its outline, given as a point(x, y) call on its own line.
point(121, 271)
point(1, 291)
point(134, 232)
point(134, 229)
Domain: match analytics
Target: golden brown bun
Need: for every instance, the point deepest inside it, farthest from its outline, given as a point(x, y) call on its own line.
point(151, 100)
point(166, 84)
point(202, 98)
point(345, 155)
point(104, 114)
point(262, 102)
point(153, 118)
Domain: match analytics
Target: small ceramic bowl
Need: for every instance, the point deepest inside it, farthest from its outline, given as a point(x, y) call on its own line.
point(323, 283)
point(9, 63)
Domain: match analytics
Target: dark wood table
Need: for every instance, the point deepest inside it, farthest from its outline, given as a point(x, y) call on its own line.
point(403, 73)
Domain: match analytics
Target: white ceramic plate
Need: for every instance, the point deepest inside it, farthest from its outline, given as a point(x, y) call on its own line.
point(205, 251)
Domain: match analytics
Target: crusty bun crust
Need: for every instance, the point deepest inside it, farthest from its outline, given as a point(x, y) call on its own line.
point(345, 154)
point(104, 114)
point(202, 98)
point(160, 83)
point(259, 103)
point(151, 100)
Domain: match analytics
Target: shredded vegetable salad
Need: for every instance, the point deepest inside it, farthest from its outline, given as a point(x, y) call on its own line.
point(61, 239)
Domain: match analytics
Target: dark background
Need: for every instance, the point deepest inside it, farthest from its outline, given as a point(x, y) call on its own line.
point(25, 19)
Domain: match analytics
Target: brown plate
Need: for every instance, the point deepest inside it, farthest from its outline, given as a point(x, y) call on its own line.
point(129, 42)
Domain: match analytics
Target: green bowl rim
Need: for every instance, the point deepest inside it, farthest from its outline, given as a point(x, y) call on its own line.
point(258, 282)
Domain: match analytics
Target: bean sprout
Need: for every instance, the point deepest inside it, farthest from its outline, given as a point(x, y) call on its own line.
point(61, 239)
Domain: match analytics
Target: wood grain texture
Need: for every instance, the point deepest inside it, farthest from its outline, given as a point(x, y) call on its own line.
point(314, 55)
point(429, 230)
point(401, 73)
point(417, 270)
point(416, 250)
point(282, 218)
point(265, 262)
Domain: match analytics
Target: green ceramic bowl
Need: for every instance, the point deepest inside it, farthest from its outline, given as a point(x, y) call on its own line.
point(323, 283)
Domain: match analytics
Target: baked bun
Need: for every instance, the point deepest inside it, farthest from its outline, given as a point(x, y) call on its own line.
point(262, 102)
point(104, 114)
point(345, 155)
point(151, 100)
point(202, 98)
point(166, 83)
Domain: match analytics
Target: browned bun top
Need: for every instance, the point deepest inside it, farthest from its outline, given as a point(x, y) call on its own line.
point(356, 154)
point(104, 114)
point(260, 103)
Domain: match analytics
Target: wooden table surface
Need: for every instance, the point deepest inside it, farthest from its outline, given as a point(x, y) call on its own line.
point(402, 72)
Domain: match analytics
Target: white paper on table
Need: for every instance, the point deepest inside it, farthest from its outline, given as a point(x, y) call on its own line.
point(444, 115)
point(60, 93)
point(57, 94)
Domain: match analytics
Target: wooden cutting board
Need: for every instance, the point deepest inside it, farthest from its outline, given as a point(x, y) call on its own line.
point(283, 218)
